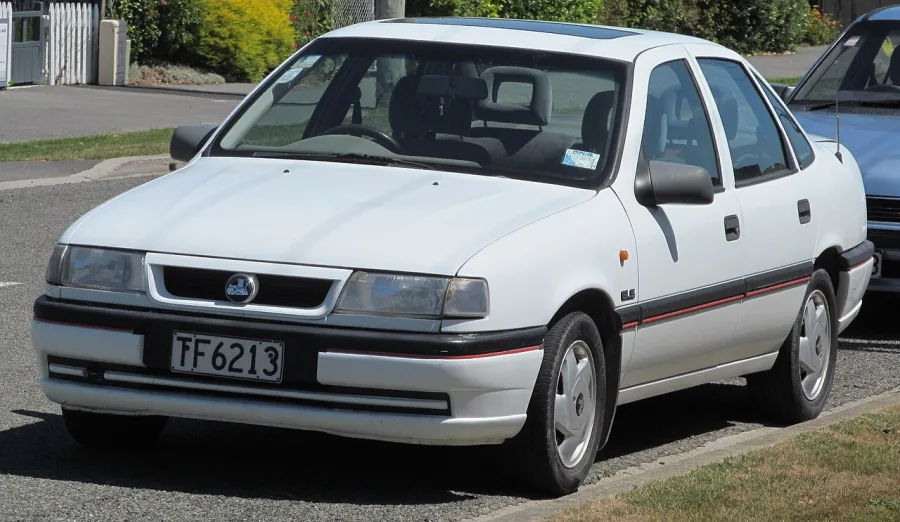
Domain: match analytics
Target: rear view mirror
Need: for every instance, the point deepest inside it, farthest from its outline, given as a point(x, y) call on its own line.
point(188, 140)
point(663, 182)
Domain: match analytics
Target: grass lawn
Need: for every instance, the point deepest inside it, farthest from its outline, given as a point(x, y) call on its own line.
point(788, 81)
point(98, 147)
point(848, 472)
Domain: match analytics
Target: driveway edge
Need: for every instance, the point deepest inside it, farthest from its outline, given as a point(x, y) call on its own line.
point(667, 467)
point(103, 170)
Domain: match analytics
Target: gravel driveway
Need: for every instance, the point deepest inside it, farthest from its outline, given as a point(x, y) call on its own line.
point(205, 470)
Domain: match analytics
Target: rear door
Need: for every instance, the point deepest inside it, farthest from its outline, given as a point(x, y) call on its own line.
point(776, 188)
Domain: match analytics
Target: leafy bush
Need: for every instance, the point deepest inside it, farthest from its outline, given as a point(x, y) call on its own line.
point(762, 25)
point(821, 28)
point(179, 22)
point(578, 11)
point(310, 19)
point(244, 39)
point(142, 17)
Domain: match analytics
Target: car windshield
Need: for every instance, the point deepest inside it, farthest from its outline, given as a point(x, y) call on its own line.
point(863, 66)
point(468, 108)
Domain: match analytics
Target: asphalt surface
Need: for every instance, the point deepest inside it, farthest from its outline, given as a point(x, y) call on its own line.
point(42, 112)
point(211, 471)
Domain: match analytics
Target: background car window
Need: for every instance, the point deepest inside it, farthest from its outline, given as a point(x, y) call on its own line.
point(676, 126)
point(799, 143)
point(753, 139)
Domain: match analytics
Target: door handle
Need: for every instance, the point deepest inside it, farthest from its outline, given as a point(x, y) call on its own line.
point(804, 211)
point(732, 228)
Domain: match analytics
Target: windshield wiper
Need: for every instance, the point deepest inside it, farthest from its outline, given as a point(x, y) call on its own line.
point(345, 157)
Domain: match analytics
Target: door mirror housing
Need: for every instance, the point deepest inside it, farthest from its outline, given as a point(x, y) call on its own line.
point(783, 90)
point(188, 140)
point(665, 182)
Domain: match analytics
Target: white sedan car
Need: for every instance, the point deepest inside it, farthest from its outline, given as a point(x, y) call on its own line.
point(465, 232)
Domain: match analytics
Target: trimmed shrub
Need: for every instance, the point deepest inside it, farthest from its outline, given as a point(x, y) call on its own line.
point(577, 11)
point(760, 26)
point(821, 28)
point(142, 17)
point(243, 40)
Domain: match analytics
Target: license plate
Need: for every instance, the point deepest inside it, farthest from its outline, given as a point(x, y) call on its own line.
point(250, 359)
point(876, 266)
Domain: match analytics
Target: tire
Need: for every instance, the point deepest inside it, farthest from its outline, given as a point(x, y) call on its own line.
point(789, 392)
point(535, 448)
point(102, 431)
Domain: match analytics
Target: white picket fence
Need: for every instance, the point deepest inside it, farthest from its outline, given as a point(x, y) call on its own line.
point(6, 12)
point(73, 43)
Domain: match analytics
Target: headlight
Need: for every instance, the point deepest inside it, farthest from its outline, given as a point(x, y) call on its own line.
point(98, 268)
point(410, 295)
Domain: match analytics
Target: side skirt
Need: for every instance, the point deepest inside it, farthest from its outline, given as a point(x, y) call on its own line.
point(689, 380)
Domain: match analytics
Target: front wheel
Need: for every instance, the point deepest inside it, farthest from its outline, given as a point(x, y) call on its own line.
point(797, 387)
point(556, 448)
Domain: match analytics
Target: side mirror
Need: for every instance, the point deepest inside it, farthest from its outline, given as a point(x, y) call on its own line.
point(661, 182)
point(188, 140)
point(783, 90)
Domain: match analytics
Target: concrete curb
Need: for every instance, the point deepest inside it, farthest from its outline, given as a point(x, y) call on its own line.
point(102, 170)
point(667, 467)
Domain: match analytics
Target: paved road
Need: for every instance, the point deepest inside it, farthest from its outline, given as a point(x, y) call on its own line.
point(57, 112)
point(209, 471)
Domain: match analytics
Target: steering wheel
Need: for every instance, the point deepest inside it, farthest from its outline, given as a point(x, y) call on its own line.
point(378, 136)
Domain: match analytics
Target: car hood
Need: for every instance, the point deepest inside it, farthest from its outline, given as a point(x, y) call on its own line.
point(874, 140)
point(321, 213)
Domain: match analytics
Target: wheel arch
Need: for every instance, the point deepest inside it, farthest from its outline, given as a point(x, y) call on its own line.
point(597, 304)
point(829, 260)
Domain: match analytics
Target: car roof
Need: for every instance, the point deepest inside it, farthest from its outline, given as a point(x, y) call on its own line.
point(888, 12)
point(594, 40)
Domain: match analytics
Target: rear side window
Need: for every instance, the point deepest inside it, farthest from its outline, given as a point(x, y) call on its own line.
point(798, 141)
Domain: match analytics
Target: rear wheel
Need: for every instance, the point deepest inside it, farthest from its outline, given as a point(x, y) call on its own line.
point(107, 431)
point(797, 387)
point(556, 448)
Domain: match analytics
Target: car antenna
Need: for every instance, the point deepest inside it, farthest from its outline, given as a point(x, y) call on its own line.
point(837, 113)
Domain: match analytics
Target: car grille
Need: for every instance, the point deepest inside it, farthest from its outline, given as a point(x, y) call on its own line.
point(209, 285)
point(883, 209)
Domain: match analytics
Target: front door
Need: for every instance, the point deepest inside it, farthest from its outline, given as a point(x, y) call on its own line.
point(691, 257)
point(27, 48)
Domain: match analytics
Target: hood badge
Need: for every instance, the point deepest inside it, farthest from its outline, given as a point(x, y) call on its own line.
point(241, 288)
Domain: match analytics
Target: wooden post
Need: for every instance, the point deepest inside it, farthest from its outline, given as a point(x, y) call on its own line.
point(389, 70)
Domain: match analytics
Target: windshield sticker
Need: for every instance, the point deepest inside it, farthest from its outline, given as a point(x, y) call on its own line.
point(851, 41)
point(581, 159)
point(289, 75)
point(309, 61)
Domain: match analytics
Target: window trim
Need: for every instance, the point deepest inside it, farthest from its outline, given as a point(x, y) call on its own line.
point(786, 147)
point(719, 187)
point(812, 159)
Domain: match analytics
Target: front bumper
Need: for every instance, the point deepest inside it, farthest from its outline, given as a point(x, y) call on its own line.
point(886, 239)
point(460, 389)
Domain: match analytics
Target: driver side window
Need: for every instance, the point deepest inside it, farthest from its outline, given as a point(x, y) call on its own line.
point(376, 89)
point(755, 144)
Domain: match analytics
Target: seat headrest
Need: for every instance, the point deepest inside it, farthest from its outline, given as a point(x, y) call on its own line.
point(596, 123)
point(413, 113)
point(728, 111)
point(656, 128)
point(538, 111)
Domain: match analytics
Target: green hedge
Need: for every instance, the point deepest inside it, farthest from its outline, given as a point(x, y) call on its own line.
point(747, 26)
